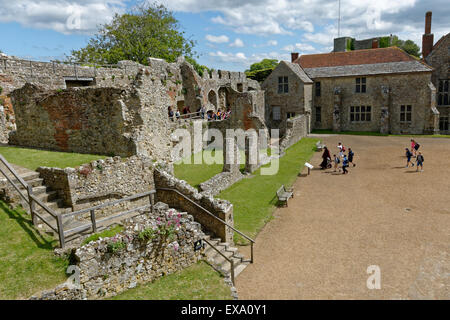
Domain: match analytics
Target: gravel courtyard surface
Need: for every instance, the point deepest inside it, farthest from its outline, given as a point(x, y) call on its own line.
point(336, 226)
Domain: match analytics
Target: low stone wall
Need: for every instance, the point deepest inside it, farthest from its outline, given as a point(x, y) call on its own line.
point(296, 129)
point(100, 181)
point(220, 182)
point(220, 208)
point(105, 271)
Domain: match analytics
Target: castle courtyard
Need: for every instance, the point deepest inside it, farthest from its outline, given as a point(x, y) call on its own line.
point(336, 226)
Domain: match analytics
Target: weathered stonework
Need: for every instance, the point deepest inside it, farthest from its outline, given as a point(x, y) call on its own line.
point(296, 129)
point(100, 181)
point(104, 273)
point(220, 208)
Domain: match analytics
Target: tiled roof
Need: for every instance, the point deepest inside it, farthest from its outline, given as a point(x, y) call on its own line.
point(298, 71)
point(437, 44)
point(356, 57)
point(368, 69)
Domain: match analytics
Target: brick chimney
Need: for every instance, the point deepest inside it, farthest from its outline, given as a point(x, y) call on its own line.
point(428, 37)
point(294, 56)
point(375, 44)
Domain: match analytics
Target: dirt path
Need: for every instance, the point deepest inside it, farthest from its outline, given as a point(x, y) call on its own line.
point(379, 214)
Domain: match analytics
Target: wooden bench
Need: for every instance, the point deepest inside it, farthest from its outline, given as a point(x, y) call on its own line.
point(319, 146)
point(283, 194)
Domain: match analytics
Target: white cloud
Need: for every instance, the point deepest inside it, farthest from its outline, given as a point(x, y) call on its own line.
point(272, 43)
point(217, 39)
point(302, 47)
point(76, 16)
point(242, 61)
point(238, 43)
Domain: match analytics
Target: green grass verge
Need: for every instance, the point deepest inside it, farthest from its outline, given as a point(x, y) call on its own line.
point(254, 199)
point(370, 133)
point(198, 282)
point(34, 158)
point(104, 234)
point(27, 262)
point(194, 174)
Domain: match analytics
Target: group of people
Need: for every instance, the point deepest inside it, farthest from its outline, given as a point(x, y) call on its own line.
point(346, 160)
point(414, 153)
point(201, 111)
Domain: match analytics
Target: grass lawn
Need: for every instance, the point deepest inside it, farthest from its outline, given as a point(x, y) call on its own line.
point(27, 262)
point(369, 133)
point(198, 282)
point(34, 158)
point(195, 174)
point(254, 199)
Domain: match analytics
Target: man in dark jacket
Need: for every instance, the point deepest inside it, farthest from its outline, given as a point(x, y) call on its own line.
point(408, 157)
point(419, 161)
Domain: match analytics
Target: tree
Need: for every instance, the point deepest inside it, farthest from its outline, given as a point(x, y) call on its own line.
point(148, 30)
point(261, 70)
point(409, 46)
point(263, 64)
point(198, 67)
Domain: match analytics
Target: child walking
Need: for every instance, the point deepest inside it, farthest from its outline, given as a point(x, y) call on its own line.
point(336, 162)
point(351, 154)
point(408, 157)
point(419, 161)
point(344, 165)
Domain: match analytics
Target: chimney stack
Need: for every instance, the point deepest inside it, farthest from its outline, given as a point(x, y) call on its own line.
point(294, 56)
point(428, 37)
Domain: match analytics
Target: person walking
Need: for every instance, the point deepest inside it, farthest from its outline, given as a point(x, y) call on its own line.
point(325, 158)
point(419, 161)
point(341, 150)
point(408, 157)
point(336, 162)
point(344, 165)
point(416, 147)
point(351, 154)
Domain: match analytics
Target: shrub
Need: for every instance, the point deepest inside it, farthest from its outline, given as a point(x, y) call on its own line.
point(147, 234)
point(115, 245)
point(1, 90)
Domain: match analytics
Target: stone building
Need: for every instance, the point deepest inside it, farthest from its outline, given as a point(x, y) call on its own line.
point(288, 93)
point(382, 89)
point(438, 56)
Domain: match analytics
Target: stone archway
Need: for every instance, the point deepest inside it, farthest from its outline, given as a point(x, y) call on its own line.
point(212, 98)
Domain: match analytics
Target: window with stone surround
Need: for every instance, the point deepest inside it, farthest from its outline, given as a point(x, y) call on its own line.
point(360, 85)
point(443, 93)
point(360, 114)
point(283, 84)
point(318, 114)
point(290, 114)
point(406, 113)
point(276, 112)
point(443, 123)
point(317, 89)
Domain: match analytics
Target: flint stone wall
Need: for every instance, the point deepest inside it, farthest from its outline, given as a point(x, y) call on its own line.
point(101, 181)
point(296, 129)
point(220, 208)
point(104, 274)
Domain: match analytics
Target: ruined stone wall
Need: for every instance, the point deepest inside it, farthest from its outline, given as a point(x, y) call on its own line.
point(220, 208)
point(15, 73)
point(105, 273)
point(296, 129)
point(402, 89)
point(100, 181)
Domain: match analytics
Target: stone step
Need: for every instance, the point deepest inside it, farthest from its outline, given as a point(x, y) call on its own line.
point(36, 182)
point(47, 196)
point(40, 190)
point(29, 176)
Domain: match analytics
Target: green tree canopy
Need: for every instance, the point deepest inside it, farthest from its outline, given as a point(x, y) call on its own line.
point(148, 30)
point(263, 64)
point(408, 45)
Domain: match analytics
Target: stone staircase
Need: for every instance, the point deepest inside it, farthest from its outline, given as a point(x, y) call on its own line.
point(45, 194)
point(220, 263)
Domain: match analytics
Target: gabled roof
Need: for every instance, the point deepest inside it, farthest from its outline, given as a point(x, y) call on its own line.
point(298, 71)
point(441, 40)
point(361, 62)
point(356, 57)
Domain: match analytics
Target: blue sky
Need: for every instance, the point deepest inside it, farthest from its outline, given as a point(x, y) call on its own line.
point(230, 34)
